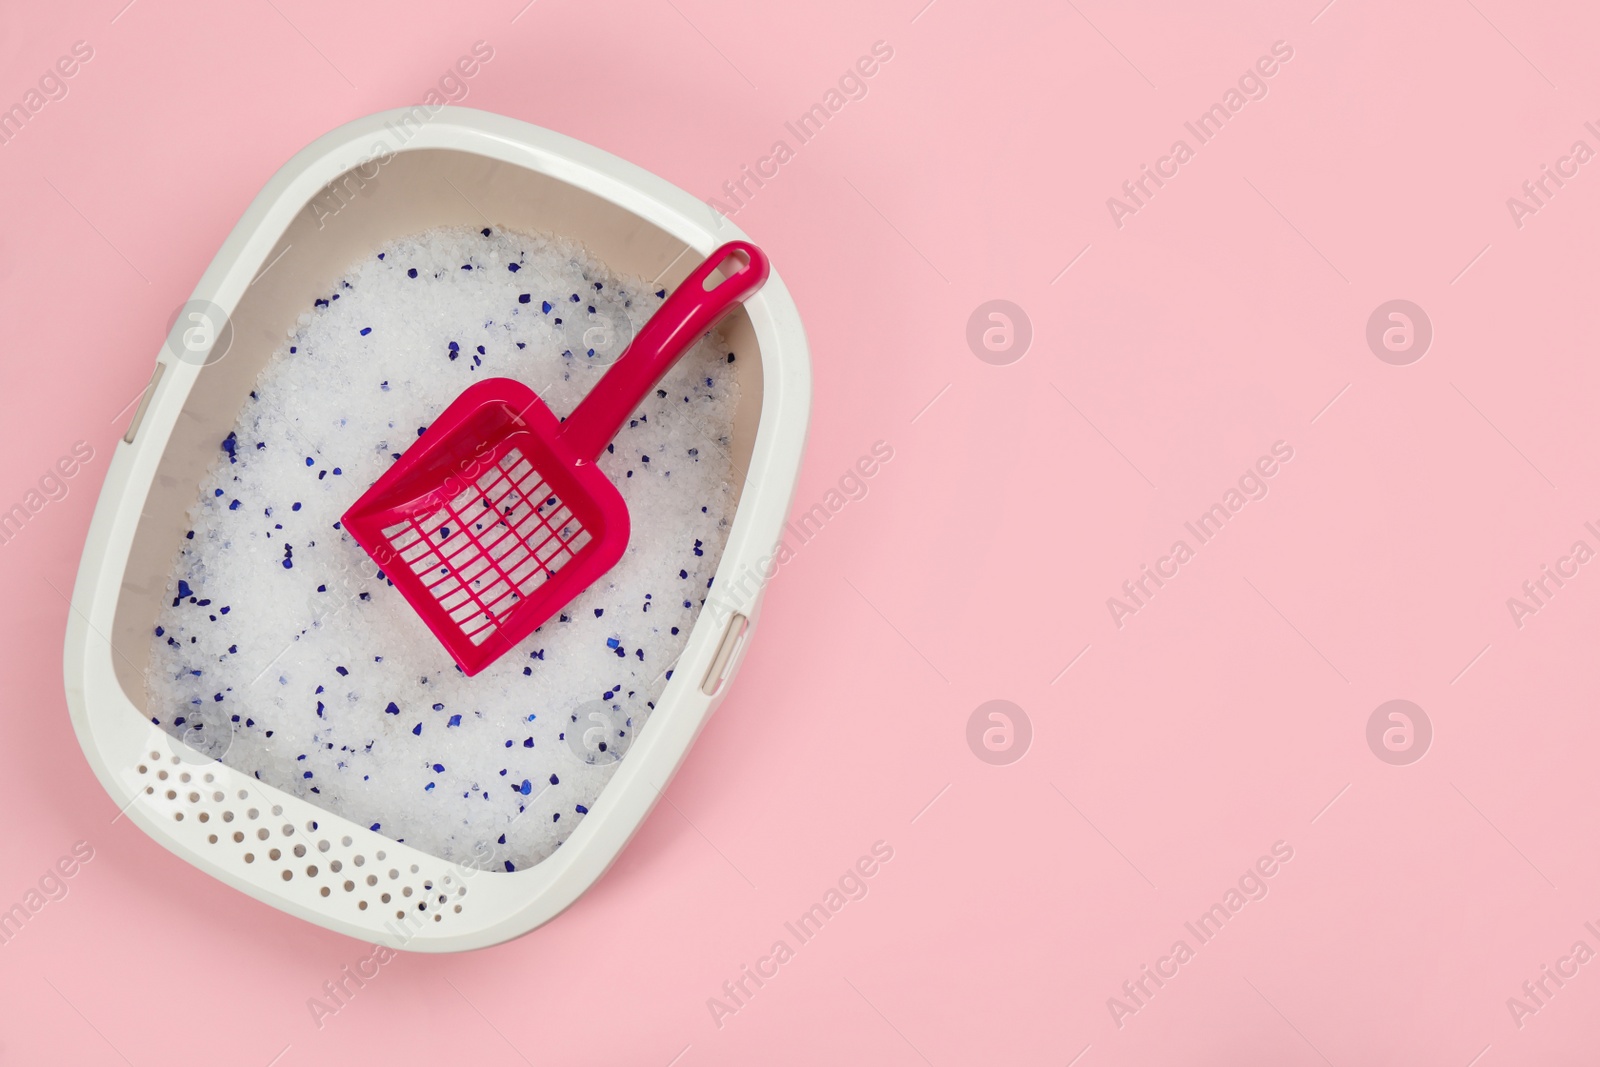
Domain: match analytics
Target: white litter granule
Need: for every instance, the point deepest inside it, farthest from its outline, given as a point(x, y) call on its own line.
point(284, 652)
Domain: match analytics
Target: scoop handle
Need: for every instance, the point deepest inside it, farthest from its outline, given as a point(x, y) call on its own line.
point(682, 319)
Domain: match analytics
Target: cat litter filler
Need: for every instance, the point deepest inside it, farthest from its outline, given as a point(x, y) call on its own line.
point(460, 171)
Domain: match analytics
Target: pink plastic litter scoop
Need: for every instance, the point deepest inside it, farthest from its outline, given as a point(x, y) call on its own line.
point(498, 516)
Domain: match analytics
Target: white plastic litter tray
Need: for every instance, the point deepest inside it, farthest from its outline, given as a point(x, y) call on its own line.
point(375, 179)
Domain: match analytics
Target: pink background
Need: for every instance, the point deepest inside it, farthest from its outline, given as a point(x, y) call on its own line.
point(1225, 716)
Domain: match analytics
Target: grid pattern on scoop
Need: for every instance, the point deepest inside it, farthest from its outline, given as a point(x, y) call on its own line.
point(491, 546)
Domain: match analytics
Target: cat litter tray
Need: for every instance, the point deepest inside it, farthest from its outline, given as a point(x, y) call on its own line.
point(347, 193)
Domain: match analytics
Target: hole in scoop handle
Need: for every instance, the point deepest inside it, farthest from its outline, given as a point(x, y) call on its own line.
point(688, 312)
